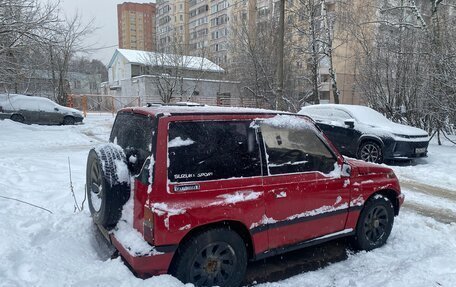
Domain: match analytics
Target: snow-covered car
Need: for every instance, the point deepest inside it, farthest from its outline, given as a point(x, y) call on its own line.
point(197, 192)
point(363, 133)
point(38, 110)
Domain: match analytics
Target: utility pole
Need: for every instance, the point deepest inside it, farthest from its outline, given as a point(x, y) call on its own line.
point(280, 43)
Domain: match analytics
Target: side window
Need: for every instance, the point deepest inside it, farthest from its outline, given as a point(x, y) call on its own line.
point(133, 133)
point(295, 149)
point(340, 115)
point(208, 150)
point(46, 106)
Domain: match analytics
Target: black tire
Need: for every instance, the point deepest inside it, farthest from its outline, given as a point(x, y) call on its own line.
point(216, 257)
point(17, 118)
point(370, 151)
point(106, 195)
point(375, 223)
point(69, 121)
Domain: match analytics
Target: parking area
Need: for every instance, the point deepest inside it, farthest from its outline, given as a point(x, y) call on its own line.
point(46, 243)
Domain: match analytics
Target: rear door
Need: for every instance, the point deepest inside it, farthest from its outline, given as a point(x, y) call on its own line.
point(48, 113)
point(133, 132)
point(214, 172)
point(28, 108)
point(305, 196)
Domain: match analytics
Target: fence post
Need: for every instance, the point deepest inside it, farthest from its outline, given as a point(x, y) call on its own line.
point(84, 106)
point(113, 105)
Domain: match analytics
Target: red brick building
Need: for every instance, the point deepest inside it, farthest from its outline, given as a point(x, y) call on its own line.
point(136, 26)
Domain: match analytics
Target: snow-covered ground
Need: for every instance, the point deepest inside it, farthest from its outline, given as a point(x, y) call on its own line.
point(40, 248)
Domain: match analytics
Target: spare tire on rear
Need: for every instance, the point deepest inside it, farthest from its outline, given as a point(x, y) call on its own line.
point(107, 183)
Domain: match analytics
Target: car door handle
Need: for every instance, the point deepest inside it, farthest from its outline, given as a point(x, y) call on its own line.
point(280, 193)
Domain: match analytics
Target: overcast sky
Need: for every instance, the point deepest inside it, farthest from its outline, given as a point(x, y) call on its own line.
point(104, 13)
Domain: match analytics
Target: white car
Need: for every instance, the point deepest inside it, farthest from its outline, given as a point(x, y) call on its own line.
point(361, 132)
point(37, 110)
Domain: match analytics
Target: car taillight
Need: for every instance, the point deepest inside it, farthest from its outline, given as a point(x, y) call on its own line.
point(148, 225)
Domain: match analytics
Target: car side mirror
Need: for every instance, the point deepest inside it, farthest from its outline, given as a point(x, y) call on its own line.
point(350, 123)
point(346, 170)
point(56, 109)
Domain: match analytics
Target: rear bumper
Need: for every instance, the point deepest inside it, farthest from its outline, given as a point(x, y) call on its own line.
point(143, 266)
point(146, 266)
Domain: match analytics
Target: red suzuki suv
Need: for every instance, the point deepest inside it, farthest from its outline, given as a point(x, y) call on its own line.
point(197, 192)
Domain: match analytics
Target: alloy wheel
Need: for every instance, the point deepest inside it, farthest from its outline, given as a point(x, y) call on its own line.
point(96, 187)
point(213, 265)
point(370, 152)
point(376, 223)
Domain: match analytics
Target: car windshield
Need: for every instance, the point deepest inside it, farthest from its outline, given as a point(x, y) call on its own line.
point(368, 116)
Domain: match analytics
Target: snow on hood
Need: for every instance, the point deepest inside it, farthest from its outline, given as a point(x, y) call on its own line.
point(399, 132)
point(401, 129)
point(70, 111)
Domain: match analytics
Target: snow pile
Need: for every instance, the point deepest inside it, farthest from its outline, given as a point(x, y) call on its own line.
point(420, 252)
point(132, 240)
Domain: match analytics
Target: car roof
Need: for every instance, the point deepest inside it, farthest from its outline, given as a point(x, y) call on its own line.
point(347, 108)
point(201, 110)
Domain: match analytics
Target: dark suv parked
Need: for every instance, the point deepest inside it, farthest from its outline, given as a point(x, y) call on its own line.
point(197, 192)
point(363, 133)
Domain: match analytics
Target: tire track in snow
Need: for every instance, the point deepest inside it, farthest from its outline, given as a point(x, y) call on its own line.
point(443, 215)
point(431, 190)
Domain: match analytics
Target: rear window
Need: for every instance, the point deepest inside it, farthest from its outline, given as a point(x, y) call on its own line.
point(133, 132)
point(209, 150)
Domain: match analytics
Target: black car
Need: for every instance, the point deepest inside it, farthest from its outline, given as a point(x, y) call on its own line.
point(37, 110)
point(361, 132)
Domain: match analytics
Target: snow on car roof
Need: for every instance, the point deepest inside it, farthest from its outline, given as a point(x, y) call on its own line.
point(203, 110)
point(360, 113)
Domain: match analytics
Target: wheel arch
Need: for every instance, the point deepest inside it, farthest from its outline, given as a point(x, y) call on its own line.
point(364, 138)
point(391, 195)
point(67, 116)
point(236, 226)
point(17, 114)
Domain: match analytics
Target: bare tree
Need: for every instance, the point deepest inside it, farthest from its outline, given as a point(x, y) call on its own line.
point(254, 60)
point(25, 26)
point(67, 41)
point(406, 66)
